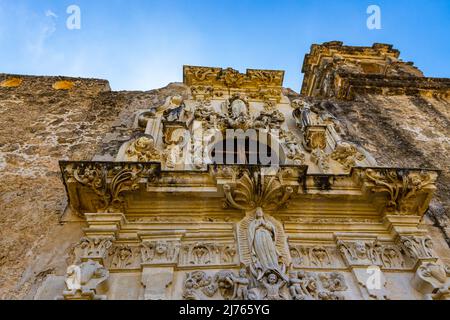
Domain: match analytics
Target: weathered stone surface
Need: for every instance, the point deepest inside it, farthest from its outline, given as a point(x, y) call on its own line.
point(38, 127)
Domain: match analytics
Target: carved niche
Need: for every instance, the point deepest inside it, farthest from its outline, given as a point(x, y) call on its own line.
point(263, 245)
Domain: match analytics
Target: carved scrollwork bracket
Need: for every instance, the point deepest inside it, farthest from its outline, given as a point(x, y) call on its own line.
point(408, 191)
point(101, 186)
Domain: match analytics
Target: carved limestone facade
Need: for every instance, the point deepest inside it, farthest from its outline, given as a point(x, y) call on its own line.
point(235, 192)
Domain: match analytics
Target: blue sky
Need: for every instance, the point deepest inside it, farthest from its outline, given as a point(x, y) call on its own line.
point(143, 44)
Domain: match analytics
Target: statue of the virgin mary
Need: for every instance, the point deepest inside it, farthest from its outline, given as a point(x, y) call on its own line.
point(262, 243)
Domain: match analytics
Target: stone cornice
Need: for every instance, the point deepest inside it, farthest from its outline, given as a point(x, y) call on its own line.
point(105, 186)
point(353, 84)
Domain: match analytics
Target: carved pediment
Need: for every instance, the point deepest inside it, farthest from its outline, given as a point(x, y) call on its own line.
point(258, 84)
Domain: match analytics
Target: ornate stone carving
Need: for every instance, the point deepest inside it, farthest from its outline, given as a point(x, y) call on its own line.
point(347, 155)
point(293, 150)
point(160, 252)
point(402, 186)
point(176, 111)
point(299, 286)
point(251, 189)
point(202, 92)
point(82, 281)
point(173, 153)
point(417, 247)
point(108, 182)
point(313, 256)
point(238, 113)
point(303, 114)
point(122, 257)
point(269, 119)
point(210, 118)
point(431, 277)
point(198, 282)
point(94, 248)
point(359, 252)
point(321, 159)
point(311, 286)
point(391, 257)
point(240, 284)
point(273, 285)
point(143, 149)
point(258, 84)
point(207, 253)
point(315, 138)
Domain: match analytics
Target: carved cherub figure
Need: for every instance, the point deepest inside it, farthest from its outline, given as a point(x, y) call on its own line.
point(241, 284)
point(297, 286)
point(361, 250)
point(273, 285)
point(311, 284)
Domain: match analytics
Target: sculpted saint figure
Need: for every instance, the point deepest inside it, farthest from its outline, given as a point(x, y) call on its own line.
point(303, 114)
point(262, 245)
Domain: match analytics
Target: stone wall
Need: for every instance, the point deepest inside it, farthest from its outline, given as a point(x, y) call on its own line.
point(44, 120)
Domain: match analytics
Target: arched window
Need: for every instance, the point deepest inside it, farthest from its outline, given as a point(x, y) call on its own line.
point(250, 149)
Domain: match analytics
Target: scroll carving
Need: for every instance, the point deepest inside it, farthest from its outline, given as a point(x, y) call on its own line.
point(402, 186)
point(251, 189)
point(108, 182)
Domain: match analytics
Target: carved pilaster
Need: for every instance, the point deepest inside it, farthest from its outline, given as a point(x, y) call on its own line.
point(361, 254)
point(159, 257)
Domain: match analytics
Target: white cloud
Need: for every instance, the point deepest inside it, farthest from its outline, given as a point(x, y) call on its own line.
point(50, 13)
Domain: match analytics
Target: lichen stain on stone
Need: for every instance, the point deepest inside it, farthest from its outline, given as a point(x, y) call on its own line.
point(63, 85)
point(11, 83)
